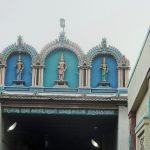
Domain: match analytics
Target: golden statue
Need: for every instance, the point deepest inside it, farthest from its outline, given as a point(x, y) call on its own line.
point(61, 68)
point(104, 70)
point(19, 67)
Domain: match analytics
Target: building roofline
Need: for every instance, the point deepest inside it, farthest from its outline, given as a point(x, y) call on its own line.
point(141, 51)
point(53, 98)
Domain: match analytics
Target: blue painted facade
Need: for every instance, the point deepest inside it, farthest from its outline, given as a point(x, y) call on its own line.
point(11, 69)
point(83, 73)
point(96, 71)
point(51, 68)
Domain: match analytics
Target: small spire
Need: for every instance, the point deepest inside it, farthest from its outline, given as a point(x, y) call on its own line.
point(104, 43)
point(62, 34)
point(62, 23)
point(19, 41)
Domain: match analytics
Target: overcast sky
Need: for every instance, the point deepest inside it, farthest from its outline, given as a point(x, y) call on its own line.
point(123, 22)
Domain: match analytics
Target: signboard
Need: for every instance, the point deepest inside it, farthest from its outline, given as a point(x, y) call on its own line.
point(57, 111)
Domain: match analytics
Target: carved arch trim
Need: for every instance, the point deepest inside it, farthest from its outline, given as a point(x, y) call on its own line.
point(62, 44)
point(98, 50)
point(14, 48)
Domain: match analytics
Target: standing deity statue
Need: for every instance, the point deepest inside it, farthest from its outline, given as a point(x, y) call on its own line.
point(19, 67)
point(62, 68)
point(104, 69)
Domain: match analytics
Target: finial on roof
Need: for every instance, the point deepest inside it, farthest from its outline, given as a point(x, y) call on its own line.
point(62, 34)
point(20, 41)
point(62, 23)
point(104, 43)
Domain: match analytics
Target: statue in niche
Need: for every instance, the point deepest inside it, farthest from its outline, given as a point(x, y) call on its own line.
point(104, 69)
point(61, 68)
point(19, 67)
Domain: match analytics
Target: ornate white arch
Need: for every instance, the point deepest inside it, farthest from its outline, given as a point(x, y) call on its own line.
point(62, 42)
point(19, 47)
point(103, 49)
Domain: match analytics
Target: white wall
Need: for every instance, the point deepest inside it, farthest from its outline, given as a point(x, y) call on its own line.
point(139, 73)
point(123, 129)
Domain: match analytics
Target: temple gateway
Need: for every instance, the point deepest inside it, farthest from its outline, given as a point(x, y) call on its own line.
point(62, 98)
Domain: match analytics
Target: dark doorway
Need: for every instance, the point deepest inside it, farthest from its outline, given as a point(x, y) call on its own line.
point(55, 132)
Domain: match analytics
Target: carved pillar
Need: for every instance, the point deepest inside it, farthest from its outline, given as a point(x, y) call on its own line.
point(33, 76)
point(132, 124)
point(84, 76)
point(119, 77)
point(0, 127)
point(37, 75)
point(2, 74)
point(123, 76)
point(42, 73)
point(127, 76)
point(80, 77)
point(88, 77)
point(123, 72)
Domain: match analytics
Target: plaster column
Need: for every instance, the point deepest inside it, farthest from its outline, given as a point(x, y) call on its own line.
point(123, 129)
point(42, 73)
point(82, 70)
point(132, 124)
point(0, 127)
point(3, 75)
point(127, 77)
point(80, 78)
point(119, 77)
point(87, 85)
point(1, 80)
point(89, 78)
point(40, 76)
point(33, 77)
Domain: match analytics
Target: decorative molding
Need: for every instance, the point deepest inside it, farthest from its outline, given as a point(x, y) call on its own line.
point(2, 62)
point(123, 62)
point(25, 97)
point(103, 49)
point(19, 47)
point(37, 61)
point(62, 42)
point(98, 51)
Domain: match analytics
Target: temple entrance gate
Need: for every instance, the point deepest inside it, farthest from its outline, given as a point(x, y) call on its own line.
point(62, 98)
point(44, 125)
point(61, 131)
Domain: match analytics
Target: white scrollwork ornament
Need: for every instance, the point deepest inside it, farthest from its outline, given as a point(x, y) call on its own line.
point(142, 144)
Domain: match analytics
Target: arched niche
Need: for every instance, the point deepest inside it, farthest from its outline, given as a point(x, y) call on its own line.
point(118, 65)
point(96, 71)
point(11, 73)
point(51, 67)
point(10, 56)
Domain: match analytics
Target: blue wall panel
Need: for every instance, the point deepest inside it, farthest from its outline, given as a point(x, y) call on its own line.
point(11, 69)
point(112, 76)
point(51, 70)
